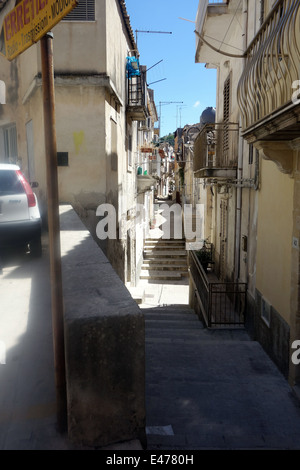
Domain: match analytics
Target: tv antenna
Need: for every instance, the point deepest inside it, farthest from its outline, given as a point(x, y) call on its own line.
point(152, 68)
point(143, 31)
point(185, 19)
point(165, 102)
point(179, 108)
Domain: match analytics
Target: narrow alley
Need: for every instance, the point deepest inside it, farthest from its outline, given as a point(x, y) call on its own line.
point(205, 389)
point(209, 388)
point(137, 337)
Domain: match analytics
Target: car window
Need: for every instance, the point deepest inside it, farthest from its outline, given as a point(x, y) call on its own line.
point(10, 183)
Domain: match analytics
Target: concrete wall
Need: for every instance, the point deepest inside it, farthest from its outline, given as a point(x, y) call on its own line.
point(105, 344)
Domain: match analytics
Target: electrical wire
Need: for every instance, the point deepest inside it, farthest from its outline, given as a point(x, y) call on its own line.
point(218, 50)
point(231, 21)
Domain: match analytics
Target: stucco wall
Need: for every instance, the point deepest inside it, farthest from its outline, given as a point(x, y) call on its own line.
point(274, 238)
point(80, 132)
point(82, 45)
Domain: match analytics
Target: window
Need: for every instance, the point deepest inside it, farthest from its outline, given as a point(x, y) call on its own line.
point(114, 145)
point(266, 311)
point(85, 11)
point(10, 183)
point(2, 92)
point(250, 154)
point(10, 144)
point(129, 150)
point(62, 159)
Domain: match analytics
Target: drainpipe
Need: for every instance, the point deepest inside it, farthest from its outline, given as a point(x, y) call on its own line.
point(240, 164)
point(238, 211)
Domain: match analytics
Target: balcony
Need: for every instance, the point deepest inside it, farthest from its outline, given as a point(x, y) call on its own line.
point(213, 22)
point(270, 114)
point(216, 151)
point(145, 126)
point(145, 183)
point(137, 108)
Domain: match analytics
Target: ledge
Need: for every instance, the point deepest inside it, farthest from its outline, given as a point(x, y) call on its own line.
point(136, 112)
point(104, 343)
point(222, 173)
point(88, 79)
point(282, 125)
point(281, 153)
point(144, 183)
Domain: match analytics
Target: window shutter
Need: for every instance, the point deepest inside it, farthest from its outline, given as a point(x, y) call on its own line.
point(226, 112)
point(85, 11)
point(226, 116)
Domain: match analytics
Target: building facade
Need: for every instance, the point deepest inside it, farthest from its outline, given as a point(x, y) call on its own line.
point(255, 174)
point(99, 105)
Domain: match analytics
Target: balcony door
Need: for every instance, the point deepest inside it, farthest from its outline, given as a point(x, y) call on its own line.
point(223, 237)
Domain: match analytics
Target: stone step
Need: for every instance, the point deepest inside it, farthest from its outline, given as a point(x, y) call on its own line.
point(168, 312)
point(169, 316)
point(173, 253)
point(171, 241)
point(164, 275)
point(165, 267)
point(177, 317)
point(164, 247)
point(180, 324)
point(180, 260)
point(174, 309)
point(195, 336)
point(167, 325)
point(164, 242)
point(160, 275)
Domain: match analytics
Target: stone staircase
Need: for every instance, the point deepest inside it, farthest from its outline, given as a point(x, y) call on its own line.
point(171, 323)
point(164, 260)
point(212, 388)
point(179, 323)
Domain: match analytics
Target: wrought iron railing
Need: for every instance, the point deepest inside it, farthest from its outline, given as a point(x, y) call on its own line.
point(272, 64)
point(137, 91)
point(216, 146)
point(222, 304)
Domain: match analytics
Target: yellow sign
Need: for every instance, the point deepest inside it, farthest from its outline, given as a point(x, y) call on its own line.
point(30, 20)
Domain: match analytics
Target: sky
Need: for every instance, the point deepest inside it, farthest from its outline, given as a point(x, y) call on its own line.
point(183, 89)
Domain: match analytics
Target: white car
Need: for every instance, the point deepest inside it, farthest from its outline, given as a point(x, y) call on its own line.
point(20, 219)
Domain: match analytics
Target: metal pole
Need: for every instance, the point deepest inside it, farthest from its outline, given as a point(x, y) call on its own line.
point(54, 229)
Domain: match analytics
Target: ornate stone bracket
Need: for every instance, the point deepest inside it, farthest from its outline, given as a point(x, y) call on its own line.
point(280, 152)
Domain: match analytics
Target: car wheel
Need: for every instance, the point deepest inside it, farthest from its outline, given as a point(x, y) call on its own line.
point(36, 247)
